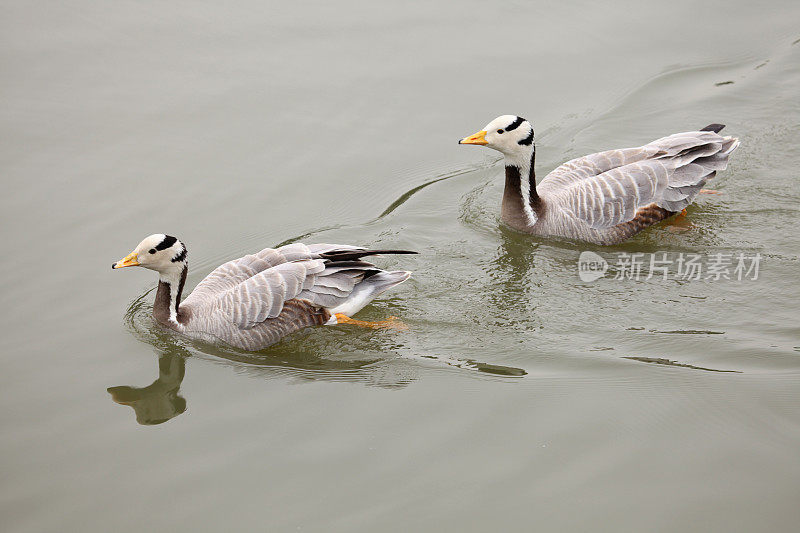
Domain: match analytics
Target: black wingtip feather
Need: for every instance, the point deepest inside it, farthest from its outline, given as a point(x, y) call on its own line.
point(349, 255)
point(348, 264)
point(716, 128)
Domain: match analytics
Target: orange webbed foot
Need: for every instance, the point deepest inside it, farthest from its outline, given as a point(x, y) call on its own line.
point(392, 323)
point(680, 223)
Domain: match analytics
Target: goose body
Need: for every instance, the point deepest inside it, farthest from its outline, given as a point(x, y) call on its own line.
point(254, 301)
point(607, 197)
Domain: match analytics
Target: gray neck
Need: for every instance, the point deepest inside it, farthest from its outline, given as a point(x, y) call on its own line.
point(521, 202)
point(168, 297)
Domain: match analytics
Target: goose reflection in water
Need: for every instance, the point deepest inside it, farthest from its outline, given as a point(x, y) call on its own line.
point(159, 401)
point(514, 289)
point(308, 355)
point(300, 360)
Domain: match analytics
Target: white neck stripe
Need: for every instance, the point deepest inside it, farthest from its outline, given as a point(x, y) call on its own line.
point(525, 188)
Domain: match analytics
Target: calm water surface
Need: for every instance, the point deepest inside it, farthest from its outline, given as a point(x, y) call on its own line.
point(520, 398)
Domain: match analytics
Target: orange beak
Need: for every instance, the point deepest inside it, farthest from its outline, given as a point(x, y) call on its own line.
point(476, 138)
point(131, 260)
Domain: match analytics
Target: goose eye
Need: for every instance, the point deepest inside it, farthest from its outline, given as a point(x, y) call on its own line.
point(500, 131)
point(152, 250)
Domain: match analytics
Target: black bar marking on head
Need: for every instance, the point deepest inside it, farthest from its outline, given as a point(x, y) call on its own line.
point(180, 257)
point(527, 140)
point(168, 241)
point(514, 125)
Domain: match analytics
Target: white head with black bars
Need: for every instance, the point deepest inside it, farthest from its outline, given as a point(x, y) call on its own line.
point(513, 137)
point(166, 255)
point(509, 134)
point(163, 253)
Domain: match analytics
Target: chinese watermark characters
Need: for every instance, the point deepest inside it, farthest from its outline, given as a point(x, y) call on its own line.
point(670, 265)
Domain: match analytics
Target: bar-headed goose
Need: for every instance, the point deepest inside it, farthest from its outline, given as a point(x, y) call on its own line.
point(606, 197)
point(254, 301)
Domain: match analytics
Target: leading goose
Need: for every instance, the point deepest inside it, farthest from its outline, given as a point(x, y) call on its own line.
point(607, 197)
point(254, 301)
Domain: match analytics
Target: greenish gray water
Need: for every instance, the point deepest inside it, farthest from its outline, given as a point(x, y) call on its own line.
point(520, 398)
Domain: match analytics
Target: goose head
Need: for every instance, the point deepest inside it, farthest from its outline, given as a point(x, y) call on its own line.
point(509, 134)
point(163, 253)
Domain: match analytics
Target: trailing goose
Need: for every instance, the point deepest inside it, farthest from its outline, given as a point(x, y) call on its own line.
point(607, 197)
point(254, 301)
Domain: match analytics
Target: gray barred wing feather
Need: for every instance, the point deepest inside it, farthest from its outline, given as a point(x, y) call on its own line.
point(263, 295)
point(614, 197)
point(608, 188)
point(232, 273)
point(591, 165)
